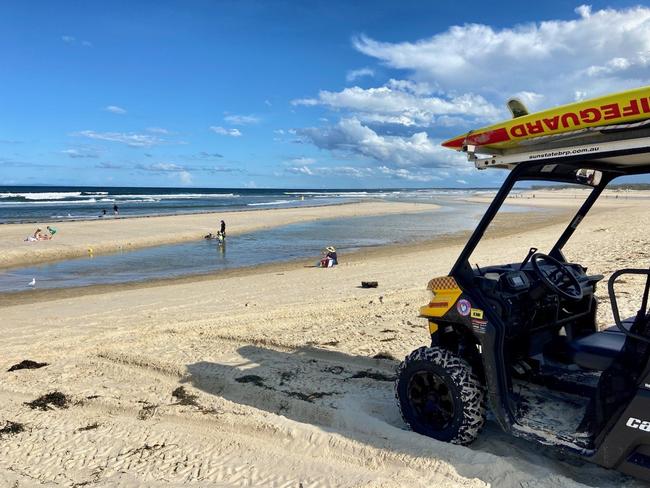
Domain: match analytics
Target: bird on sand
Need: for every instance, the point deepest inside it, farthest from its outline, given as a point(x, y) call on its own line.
point(32, 283)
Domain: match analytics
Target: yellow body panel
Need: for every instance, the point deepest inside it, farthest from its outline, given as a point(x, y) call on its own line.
point(445, 295)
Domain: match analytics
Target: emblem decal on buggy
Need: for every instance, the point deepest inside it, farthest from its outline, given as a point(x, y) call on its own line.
point(638, 424)
point(476, 313)
point(463, 306)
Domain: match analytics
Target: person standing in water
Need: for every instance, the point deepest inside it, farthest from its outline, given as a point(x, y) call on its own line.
point(116, 210)
point(223, 228)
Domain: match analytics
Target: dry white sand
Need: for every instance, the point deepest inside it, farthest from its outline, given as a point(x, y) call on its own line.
point(75, 239)
point(273, 361)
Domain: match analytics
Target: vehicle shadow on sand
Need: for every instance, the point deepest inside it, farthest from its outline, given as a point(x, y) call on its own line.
point(353, 397)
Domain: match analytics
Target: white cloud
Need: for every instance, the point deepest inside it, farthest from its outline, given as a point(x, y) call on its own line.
point(351, 136)
point(80, 153)
point(408, 175)
point(300, 170)
point(68, 39)
point(350, 171)
point(241, 119)
point(86, 44)
point(114, 109)
point(158, 130)
point(225, 132)
point(401, 103)
point(594, 53)
point(355, 74)
point(164, 167)
point(130, 139)
point(302, 161)
point(462, 182)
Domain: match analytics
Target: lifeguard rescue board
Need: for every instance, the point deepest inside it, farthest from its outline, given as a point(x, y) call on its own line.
point(616, 108)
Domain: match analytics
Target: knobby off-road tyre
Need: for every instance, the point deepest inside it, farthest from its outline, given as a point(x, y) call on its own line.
point(439, 396)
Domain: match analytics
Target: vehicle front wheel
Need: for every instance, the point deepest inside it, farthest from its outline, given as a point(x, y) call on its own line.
point(439, 396)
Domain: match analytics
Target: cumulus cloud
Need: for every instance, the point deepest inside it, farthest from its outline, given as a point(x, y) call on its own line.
point(408, 175)
point(130, 139)
point(459, 79)
point(349, 171)
point(241, 119)
point(114, 109)
point(351, 136)
point(401, 103)
point(355, 74)
point(595, 52)
point(225, 132)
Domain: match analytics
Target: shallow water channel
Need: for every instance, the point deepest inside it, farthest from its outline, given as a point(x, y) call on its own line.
point(291, 242)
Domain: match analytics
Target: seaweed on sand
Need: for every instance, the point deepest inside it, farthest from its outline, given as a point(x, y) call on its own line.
point(88, 427)
point(45, 402)
point(11, 428)
point(26, 364)
point(373, 375)
point(184, 397)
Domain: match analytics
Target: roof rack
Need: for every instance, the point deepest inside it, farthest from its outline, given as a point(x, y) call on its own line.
point(615, 145)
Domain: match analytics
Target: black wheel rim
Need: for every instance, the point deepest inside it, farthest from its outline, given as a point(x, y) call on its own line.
point(431, 400)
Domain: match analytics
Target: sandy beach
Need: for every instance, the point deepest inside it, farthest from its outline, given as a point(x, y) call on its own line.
point(75, 239)
point(280, 376)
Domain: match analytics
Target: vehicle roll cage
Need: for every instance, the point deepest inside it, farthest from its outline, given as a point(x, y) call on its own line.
point(561, 170)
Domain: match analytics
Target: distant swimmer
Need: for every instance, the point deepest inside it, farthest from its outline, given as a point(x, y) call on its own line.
point(223, 228)
point(116, 210)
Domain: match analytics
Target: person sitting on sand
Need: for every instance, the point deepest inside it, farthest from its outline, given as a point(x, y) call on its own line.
point(38, 236)
point(52, 231)
point(331, 254)
point(330, 259)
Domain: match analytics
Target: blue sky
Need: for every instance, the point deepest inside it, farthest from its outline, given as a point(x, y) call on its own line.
point(289, 94)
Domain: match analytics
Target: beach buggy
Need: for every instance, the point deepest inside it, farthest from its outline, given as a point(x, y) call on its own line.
point(521, 339)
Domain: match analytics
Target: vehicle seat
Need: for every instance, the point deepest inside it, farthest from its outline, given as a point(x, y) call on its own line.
point(597, 351)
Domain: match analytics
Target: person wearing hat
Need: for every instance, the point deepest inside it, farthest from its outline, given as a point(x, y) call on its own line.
point(331, 254)
point(330, 258)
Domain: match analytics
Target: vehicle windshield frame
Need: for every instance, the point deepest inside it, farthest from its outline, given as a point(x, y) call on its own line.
point(554, 171)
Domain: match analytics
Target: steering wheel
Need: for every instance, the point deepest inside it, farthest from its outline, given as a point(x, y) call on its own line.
point(557, 276)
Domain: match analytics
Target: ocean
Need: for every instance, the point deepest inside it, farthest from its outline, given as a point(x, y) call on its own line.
point(56, 203)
